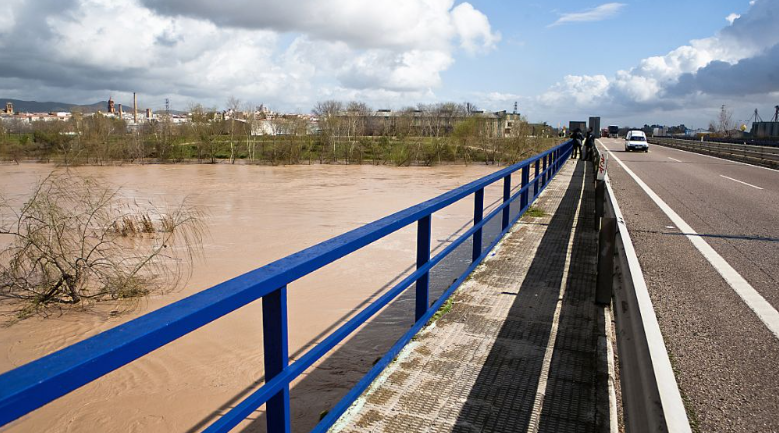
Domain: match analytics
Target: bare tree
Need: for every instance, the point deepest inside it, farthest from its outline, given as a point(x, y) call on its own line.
point(203, 126)
point(74, 242)
point(233, 107)
point(330, 125)
point(251, 121)
point(724, 121)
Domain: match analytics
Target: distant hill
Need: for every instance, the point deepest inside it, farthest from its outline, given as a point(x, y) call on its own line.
point(49, 107)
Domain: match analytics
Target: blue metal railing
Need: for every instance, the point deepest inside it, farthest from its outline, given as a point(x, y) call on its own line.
point(33, 385)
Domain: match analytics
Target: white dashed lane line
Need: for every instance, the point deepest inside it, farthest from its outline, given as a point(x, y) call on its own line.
point(739, 181)
point(754, 300)
point(674, 159)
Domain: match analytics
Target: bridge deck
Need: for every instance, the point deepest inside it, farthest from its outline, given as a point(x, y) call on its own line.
point(508, 356)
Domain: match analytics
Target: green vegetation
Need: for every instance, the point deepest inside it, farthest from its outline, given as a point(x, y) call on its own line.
point(441, 311)
point(535, 212)
point(275, 150)
point(344, 134)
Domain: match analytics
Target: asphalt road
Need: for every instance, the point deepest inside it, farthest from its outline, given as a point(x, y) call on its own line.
point(725, 357)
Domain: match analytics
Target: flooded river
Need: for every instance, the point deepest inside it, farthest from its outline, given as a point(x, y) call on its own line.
point(255, 215)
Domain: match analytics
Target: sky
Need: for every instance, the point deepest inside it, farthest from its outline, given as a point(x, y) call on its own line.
point(630, 62)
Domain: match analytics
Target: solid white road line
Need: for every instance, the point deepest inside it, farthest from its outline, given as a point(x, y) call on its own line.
point(764, 311)
point(739, 181)
point(674, 159)
point(538, 403)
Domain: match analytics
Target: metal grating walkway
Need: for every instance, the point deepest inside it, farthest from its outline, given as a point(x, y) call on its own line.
point(477, 368)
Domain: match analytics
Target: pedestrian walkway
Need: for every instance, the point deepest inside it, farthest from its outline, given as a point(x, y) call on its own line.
point(519, 349)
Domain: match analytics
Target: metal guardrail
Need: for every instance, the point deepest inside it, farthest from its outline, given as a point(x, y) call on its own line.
point(762, 155)
point(766, 141)
point(33, 385)
point(650, 396)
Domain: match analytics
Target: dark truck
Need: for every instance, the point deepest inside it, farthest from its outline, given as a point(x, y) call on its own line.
point(613, 131)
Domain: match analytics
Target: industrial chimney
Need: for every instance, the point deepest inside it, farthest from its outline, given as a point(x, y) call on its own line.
point(120, 110)
point(135, 109)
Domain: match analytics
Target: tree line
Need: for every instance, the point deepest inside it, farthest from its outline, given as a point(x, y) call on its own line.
point(342, 133)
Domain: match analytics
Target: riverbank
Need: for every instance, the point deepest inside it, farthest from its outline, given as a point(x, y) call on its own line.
point(282, 150)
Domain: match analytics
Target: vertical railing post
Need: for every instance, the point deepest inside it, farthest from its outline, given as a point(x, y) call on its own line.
point(423, 256)
point(506, 196)
point(275, 344)
point(544, 176)
point(600, 201)
point(478, 215)
point(525, 180)
point(606, 241)
point(535, 180)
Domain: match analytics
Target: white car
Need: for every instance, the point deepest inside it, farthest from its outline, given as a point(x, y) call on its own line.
point(636, 140)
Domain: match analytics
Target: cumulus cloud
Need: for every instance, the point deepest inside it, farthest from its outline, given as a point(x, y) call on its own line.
point(600, 13)
point(755, 75)
point(473, 29)
point(261, 50)
point(732, 17)
point(428, 24)
point(741, 59)
point(581, 91)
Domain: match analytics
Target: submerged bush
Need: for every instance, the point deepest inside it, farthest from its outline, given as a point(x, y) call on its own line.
point(76, 242)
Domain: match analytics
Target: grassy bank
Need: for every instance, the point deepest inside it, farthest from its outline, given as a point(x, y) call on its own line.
point(270, 150)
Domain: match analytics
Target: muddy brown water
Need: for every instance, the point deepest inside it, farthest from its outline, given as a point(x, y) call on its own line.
point(255, 215)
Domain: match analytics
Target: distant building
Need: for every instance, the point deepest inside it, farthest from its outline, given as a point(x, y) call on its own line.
point(9, 108)
point(594, 124)
point(765, 129)
point(111, 108)
point(581, 124)
point(420, 123)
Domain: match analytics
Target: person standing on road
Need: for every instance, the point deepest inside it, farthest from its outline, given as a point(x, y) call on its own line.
point(589, 143)
point(576, 136)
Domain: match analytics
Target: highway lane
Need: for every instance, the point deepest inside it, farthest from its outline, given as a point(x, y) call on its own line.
point(725, 356)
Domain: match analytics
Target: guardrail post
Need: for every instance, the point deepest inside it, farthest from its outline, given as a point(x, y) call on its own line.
point(543, 177)
point(600, 201)
point(606, 240)
point(525, 181)
point(423, 256)
point(506, 196)
point(275, 344)
point(478, 215)
point(535, 179)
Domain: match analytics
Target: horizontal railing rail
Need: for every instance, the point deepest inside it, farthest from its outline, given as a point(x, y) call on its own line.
point(763, 155)
point(651, 401)
point(37, 383)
